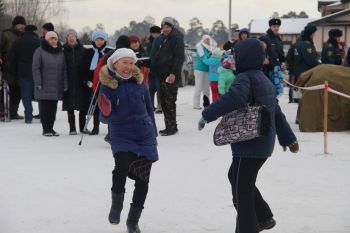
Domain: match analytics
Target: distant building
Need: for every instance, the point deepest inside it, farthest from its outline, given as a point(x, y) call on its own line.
point(335, 14)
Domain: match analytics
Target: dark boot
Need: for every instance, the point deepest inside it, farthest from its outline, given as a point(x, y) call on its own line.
point(71, 121)
point(133, 220)
point(266, 225)
point(82, 121)
point(107, 138)
point(96, 129)
point(116, 208)
point(206, 101)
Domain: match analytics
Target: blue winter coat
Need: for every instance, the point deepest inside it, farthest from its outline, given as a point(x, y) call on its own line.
point(249, 60)
point(214, 64)
point(130, 119)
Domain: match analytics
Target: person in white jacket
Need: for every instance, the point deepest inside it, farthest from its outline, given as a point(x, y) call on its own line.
point(201, 72)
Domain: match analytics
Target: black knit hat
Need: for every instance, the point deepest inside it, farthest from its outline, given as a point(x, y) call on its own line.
point(122, 42)
point(30, 28)
point(155, 29)
point(275, 21)
point(309, 29)
point(49, 27)
point(18, 20)
point(335, 33)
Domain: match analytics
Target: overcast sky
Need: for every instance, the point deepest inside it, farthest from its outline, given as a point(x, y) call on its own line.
point(115, 14)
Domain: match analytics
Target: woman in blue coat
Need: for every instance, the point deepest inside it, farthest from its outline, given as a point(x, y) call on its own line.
point(253, 213)
point(126, 107)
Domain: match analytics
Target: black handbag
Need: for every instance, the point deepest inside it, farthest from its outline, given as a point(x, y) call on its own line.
point(243, 124)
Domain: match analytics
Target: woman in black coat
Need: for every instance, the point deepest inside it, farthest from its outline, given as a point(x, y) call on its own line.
point(77, 96)
point(91, 58)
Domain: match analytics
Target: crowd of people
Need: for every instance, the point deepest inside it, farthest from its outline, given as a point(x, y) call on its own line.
point(119, 86)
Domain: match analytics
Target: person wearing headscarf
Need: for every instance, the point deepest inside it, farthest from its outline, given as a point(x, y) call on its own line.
point(77, 97)
point(201, 72)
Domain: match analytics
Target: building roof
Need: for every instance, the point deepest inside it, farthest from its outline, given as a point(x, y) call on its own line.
point(328, 17)
point(289, 26)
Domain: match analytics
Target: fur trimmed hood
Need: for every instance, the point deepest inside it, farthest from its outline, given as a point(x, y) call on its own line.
point(109, 81)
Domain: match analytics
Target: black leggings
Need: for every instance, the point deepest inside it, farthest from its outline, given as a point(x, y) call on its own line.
point(250, 205)
point(48, 110)
point(123, 161)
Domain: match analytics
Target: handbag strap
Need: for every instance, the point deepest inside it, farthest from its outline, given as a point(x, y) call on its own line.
point(251, 99)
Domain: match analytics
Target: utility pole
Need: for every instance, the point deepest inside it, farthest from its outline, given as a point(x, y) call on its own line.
point(229, 20)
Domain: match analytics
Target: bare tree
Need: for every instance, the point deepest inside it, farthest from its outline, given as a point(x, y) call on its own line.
point(35, 11)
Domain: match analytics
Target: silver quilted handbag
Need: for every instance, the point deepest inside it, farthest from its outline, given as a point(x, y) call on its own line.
point(242, 125)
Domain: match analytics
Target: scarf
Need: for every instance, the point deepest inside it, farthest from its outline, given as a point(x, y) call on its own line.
point(96, 57)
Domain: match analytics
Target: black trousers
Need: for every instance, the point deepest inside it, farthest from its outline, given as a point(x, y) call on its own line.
point(48, 110)
point(82, 120)
point(123, 160)
point(15, 99)
point(168, 97)
point(247, 199)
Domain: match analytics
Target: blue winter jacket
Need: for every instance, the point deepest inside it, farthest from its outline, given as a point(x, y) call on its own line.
point(130, 116)
point(214, 64)
point(249, 60)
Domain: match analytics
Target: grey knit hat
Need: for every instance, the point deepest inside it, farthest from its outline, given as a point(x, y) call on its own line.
point(71, 32)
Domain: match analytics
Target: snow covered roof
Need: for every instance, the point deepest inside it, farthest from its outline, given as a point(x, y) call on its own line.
point(289, 26)
point(325, 18)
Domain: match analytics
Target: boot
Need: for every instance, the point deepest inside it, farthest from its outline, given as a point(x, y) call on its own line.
point(133, 220)
point(71, 121)
point(116, 208)
point(266, 225)
point(82, 121)
point(206, 101)
point(96, 129)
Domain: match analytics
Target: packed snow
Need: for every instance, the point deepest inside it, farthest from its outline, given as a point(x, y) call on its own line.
point(52, 185)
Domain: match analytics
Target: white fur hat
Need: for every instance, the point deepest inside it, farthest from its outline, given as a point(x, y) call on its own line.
point(118, 54)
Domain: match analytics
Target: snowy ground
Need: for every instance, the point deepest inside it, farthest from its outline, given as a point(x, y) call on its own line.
point(51, 185)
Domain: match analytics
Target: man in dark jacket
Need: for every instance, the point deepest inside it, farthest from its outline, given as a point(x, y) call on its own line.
point(348, 57)
point(253, 213)
point(154, 87)
point(276, 41)
point(8, 37)
point(78, 94)
point(21, 59)
point(331, 54)
point(168, 66)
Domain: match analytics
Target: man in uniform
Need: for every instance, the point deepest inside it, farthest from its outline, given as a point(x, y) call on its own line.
point(331, 54)
point(276, 41)
point(307, 54)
